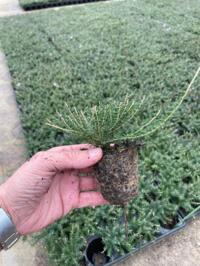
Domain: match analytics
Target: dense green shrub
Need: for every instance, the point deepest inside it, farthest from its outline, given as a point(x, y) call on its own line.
point(111, 50)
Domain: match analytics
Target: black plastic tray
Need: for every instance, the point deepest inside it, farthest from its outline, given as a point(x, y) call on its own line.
point(189, 216)
point(55, 3)
point(96, 242)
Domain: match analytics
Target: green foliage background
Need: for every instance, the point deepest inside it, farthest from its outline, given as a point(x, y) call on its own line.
point(99, 53)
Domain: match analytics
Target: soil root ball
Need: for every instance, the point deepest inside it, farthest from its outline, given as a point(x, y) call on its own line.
point(117, 173)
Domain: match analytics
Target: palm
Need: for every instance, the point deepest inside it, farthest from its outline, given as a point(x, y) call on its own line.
point(58, 198)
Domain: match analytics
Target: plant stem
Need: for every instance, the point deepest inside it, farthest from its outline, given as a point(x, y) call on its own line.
point(125, 211)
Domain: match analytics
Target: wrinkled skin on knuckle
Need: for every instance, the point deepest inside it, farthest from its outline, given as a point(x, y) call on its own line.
point(39, 154)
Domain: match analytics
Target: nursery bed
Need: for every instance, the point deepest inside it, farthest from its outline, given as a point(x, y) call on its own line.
point(100, 53)
point(39, 4)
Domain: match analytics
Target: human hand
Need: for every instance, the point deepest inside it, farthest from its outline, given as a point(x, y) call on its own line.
point(49, 185)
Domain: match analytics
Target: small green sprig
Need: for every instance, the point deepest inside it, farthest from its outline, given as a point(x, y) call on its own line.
point(100, 124)
point(104, 124)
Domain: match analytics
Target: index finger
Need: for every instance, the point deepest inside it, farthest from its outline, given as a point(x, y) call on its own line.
point(72, 147)
point(70, 159)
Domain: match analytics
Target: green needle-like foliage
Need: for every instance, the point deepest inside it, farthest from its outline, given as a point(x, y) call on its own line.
point(99, 124)
point(104, 124)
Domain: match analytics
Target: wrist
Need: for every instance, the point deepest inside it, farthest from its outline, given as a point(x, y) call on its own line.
point(8, 232)
point(3, 202)
point(2, 199)
point(6, 205)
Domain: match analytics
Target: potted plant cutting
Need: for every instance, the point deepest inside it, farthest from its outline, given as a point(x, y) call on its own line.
point(105, 126)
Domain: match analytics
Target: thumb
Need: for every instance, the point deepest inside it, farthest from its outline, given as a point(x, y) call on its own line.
point(74, 159)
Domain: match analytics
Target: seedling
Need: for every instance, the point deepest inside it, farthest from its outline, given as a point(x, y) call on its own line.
point(117, 172)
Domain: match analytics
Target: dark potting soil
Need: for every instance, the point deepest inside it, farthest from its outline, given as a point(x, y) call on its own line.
point(95, 252)
point(117, 173)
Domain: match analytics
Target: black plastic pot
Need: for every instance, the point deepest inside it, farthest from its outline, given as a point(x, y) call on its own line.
point(55, 3)
point(94, 253)
point(95, 247)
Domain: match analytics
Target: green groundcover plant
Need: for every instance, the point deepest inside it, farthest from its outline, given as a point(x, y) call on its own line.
point(100, 54)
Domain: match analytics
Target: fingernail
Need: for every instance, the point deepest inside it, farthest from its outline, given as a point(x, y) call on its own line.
point(95, 152)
